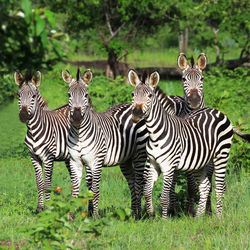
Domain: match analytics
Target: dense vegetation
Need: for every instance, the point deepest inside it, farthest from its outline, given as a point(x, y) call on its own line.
point(115, 229)
point(36, 34)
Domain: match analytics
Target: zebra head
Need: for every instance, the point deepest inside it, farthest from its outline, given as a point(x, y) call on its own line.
point(28, 94)
point(142, 95)
point(193, 80)
point(78, 94)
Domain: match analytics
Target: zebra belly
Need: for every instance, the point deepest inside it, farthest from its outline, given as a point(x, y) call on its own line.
point(46, 150)
point(191, 162)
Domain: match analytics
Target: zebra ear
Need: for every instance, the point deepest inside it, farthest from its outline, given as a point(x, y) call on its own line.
point(133, 78)
point(18, 78)
point(35, 81)
point(87, 76)
point(202, 61)
point(182, 61)
point(154, 79)
point(67, 77)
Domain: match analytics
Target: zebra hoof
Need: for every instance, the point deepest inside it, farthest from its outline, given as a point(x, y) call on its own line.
point(39, 209)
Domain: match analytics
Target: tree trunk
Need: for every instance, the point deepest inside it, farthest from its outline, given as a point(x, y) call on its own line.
point(186, 40)
point(217, 49)
point(181, 40)
point(113, 64)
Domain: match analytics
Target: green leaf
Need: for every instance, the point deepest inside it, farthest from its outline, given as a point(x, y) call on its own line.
point(121, 214)
point(50, 16)
point(40, 25)
point(26, 7)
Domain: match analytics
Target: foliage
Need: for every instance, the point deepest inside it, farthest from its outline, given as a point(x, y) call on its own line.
point(27, 36)
point(55, 224)
point(8, 88)
point(112, 27)
point(219, 23)
point(106, 92)
point(227, 90)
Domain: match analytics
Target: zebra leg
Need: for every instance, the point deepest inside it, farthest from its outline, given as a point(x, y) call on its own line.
point(76, 167)
point(220, 163)
point(139, 167)
point(192, 191)
point(88, 179)
point(173, 198)
point(48, 169)
point(204, 188)
point(210, 175)
point(128, 172)
point(150, 177)
point(97, 171)
point(165, 195)
point(37, 163)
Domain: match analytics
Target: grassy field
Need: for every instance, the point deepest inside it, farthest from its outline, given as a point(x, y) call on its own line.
point(18, 192)
point(157, 57)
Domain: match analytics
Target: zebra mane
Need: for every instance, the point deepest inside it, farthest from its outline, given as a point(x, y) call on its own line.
point(164, 96)
point(144, 76)
point(42, 101)
point(78, 75)
point(192, 61)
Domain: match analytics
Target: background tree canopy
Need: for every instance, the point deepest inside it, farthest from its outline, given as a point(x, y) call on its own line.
point(35, 34)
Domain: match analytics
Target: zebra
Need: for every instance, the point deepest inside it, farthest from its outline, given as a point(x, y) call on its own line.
point(184, 144)
point(104, 139)
point(192, 80)
point(47, 132)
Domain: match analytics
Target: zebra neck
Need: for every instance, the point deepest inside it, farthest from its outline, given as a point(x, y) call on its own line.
point(89, 121)
point(157, 120)
point(42, 102)
point(36, 121)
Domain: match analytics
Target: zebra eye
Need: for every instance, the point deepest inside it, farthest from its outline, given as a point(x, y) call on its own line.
point(150, 95)
point(69, 94)
point(33, 96)
point(202, 79)
point(183, 79)
point(86, 95)
point(132, 94)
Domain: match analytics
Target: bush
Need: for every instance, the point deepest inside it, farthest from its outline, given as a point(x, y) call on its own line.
point(8, 88)
point(106, 92)
point(27, 36)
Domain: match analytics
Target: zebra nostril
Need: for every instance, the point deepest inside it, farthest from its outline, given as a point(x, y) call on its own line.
point(23, 114)
point(77, 115)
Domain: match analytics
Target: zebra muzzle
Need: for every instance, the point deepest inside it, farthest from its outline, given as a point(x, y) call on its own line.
point(24, 115)
point(76, 116)
point(194, 100)
point(137, 114)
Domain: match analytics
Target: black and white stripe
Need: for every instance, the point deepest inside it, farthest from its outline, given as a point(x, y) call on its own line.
point(47, 132)
point(104, 139)
point(181, 144)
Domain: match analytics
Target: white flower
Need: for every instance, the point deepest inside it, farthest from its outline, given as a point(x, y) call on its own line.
point(53, 31)
point(20, 14)
point(3, 27)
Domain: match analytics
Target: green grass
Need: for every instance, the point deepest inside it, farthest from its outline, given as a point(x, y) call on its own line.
point(158, 57)
point(18, 192)
point(19, 196)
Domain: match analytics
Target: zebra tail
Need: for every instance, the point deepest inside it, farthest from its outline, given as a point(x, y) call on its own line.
point(244, 136)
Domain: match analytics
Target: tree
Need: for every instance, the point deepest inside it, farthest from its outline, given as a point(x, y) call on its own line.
point(112, 25)
point(215, 20)
point(25, 36)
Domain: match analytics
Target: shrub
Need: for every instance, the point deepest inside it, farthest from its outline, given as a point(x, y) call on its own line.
point(8, 88)
point(106, 92)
